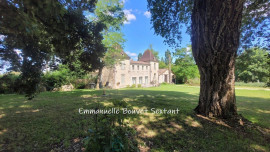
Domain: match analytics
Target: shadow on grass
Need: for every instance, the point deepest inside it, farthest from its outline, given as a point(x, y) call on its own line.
point(52, 118)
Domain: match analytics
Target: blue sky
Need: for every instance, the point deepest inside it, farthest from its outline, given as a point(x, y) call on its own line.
point(139, 33)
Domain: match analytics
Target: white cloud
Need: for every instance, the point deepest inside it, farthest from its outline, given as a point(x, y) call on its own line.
point(131, 54)
point(129, 16)
point(147, 14)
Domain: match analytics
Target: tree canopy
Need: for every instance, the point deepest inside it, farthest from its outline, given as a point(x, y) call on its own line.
point(110, 12)
point(40, 29)
point(251, 65)
point(169, 17)
point(184, 66)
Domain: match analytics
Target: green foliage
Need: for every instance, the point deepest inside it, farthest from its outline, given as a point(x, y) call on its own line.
point(56, 79)
point(250, 84)
point(139, 56)
point(41, 29)
point(251, 66)
point(268, 65)
point(184, 67)
point(194, 82)
point(8, 83)
point(169, 17)
point(133, 86)
point(110, 12)
point(162, 65)
point(168, 57)
point(110, 133)
point(155, 53)
point(139, 85)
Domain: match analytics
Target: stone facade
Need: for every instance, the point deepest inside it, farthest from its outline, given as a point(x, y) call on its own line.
point(128, 72)
point(163, 76)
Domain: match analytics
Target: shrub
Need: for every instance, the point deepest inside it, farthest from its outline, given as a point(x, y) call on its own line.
point(133, 86)
point(8, 82)
point(164, 83)
point(110, 133)
point(250, 84)
point(194, 81)
point(128, 86)
point(56, 79)
point(139, 85)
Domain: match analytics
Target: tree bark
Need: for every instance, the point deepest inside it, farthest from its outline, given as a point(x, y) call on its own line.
point(215, 40)
point(99, 77)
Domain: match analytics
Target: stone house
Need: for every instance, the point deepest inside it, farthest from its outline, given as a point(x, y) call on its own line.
point(163, 76)
point(127, 72)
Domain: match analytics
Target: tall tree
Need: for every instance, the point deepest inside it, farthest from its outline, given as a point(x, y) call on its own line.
point(110, 12)
point(155, 53)
point(167, 57)
point(184, 66)
point(215, 34)
point(42, 28)
point(139, 56)
point(168, 61)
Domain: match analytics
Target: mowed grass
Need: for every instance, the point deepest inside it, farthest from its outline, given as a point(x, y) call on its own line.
point(52, 119)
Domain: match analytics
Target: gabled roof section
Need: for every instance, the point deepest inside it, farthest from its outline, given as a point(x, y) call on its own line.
point(148, 56)
point(161, 71)
point(121, 55)
point(124, 55)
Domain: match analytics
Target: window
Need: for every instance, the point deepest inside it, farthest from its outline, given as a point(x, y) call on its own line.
point(133, 80)
point(155, 66)
point(142, 67)
point(154, 76)
point(146, 79)
point(138, 67)
point(146, 67)
point(122, 66)
point(140, 80)
point(133, 67)
point(122, 79)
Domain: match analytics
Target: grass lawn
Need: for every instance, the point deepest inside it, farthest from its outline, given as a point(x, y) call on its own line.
point(52, 119)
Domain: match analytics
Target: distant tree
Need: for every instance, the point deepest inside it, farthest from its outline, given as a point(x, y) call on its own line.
point(139, 56)
point(40, 29)
point(155, 53)
point(268, 65)
point(251, 66)
point(162, 65)
point(110, 12)
point(216, 28)
point(184, 66)
point(168, 58)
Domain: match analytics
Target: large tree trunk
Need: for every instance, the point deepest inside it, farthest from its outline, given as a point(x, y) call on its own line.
point(215, 40)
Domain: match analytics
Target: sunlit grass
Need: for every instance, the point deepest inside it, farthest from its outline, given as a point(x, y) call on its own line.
point(52, 118)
